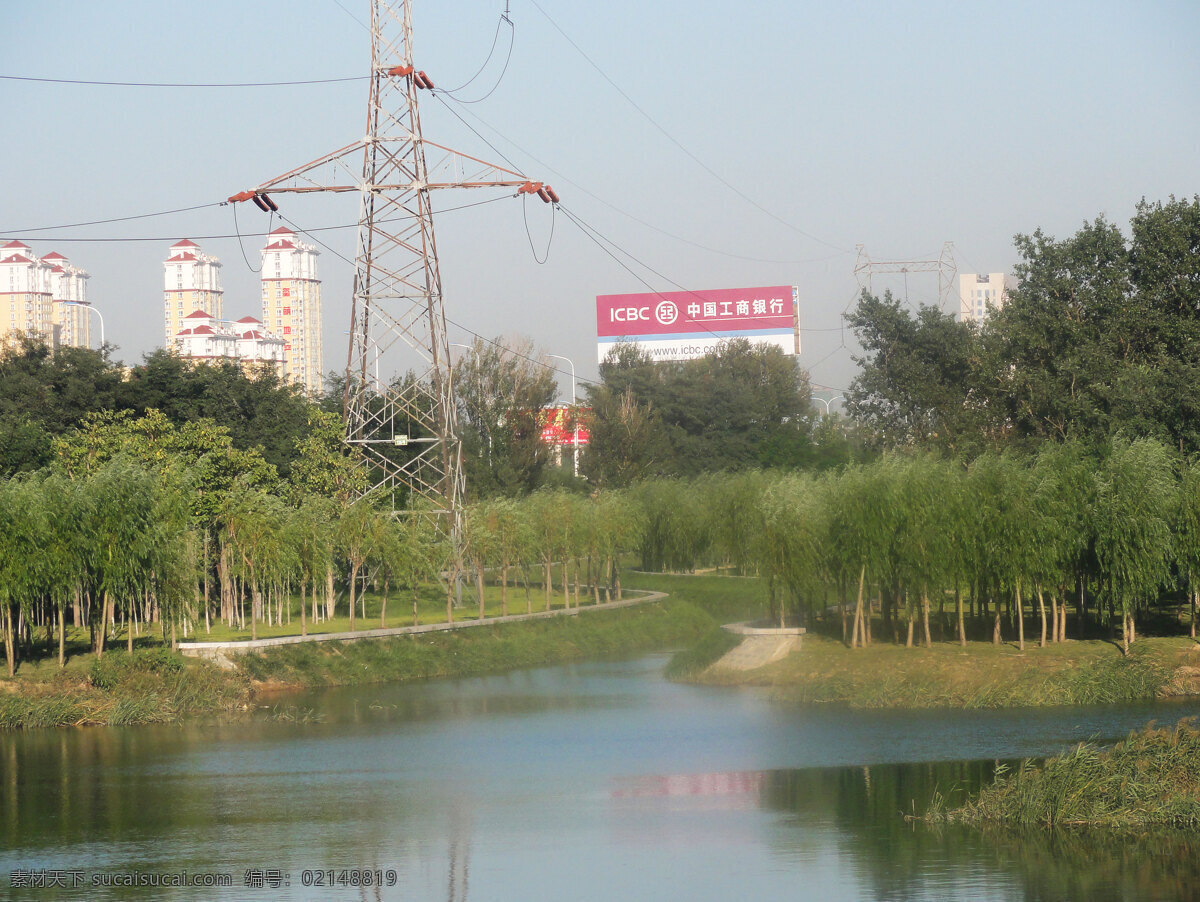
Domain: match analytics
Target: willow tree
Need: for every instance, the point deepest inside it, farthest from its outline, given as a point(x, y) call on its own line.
point(793, 550)
point(22, 558)
point(1063, 473)
point(1134, 490)
point(119, 524)
point(1186, 522)
point(858, 535)
point(923, 536)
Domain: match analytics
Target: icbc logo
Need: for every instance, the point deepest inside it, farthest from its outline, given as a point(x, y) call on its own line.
point(666, 312)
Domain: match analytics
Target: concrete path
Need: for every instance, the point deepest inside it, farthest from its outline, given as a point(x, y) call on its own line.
point(219, 651)
point(757, 651)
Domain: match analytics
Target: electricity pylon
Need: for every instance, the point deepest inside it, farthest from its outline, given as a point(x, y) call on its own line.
point(408, 429)
point(944, 266)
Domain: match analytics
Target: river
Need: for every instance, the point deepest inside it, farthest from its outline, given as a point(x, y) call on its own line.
point(594, 781)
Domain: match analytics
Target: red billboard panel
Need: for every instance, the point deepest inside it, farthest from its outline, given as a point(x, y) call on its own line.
point(565, 426)
point(677, 325)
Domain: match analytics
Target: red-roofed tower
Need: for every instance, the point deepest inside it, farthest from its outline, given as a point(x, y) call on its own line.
point(191, 281)
point(291, 305)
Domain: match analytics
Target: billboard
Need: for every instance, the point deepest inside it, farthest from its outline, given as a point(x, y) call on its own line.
point(565, 426)
point(681, 325)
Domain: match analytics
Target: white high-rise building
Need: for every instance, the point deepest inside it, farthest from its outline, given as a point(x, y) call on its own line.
point(191, 281)
point(68, 294)
point(43, 296)
point(291, 305)
point(978, 292)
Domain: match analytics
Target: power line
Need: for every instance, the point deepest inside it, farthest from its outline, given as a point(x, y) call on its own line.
point(164, 84)
point(453, 322)
point(236, 234)
point(626, 213)
point(678, 144)
point(72, 225)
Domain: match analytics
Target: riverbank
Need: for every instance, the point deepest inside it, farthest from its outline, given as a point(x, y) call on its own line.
point(156, 685)
point(1152, 779)
point(981, 675)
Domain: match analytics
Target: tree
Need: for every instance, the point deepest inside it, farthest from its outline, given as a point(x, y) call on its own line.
point(916, 383)
point(739, 407)
point(502, 389)
point(1134, 493)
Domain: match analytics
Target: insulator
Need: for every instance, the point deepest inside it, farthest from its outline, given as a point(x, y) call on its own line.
point(270, 203)
point(527, 188)
point(258, 202)
point(241, 196)
point(544, 195)
point(424, 81)
point(400, 70)
point(552, 193)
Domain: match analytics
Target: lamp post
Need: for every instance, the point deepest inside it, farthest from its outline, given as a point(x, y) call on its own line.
point(574, 413)
point(827, 403)
point(95, 311)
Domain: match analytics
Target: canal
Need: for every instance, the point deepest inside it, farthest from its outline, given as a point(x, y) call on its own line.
point(594, 781)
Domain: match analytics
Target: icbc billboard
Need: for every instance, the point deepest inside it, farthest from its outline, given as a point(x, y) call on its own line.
point(680, 325)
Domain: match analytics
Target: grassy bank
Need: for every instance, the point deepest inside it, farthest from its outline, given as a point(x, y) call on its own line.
point(981, 675)
point(485, 649)
point(156, 685)
point(151, 686)
point(1152, 779)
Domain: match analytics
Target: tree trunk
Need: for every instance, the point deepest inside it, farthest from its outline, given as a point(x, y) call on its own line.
point(1042, 611)
point(858, 634)
point(504, 588)
point(996, 635)
point(925, 616)
point(330, 601)
point(10, 647)
point(958, 610)
point(1020, 617)
point(1054, 617)
point(479, 587)
point(304, 605)
point(353, 589)
point(1195, 602)
point(416, 619)
point(62, 637)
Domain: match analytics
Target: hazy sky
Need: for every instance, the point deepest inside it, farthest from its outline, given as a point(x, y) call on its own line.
point(899, 126)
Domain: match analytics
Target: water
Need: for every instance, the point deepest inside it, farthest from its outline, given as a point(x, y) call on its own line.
point(596, 781)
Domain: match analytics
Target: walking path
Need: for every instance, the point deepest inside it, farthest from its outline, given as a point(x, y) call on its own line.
point(218, 651)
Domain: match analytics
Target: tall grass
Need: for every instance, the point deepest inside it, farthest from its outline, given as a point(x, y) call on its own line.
point(1150, 779)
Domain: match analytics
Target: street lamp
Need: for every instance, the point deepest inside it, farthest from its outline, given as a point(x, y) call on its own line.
point(95, 311)
point(574, 412)
point(828, 402)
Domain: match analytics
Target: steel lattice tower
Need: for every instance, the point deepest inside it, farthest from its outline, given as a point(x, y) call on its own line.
point(406, 429)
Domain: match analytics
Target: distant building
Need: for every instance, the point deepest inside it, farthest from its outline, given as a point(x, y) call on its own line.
point(291, 305)
point(191, 282)
point(44, 296)
point(68, 298)
point(979, 292)
point(205, 338)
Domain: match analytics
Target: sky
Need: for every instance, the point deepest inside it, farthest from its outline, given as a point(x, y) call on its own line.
point(717, 145)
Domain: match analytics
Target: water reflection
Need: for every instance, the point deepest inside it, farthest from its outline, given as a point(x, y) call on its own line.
point(589, 782)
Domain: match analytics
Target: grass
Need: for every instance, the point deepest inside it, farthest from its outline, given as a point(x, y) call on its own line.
point(151, 686)
point(1152, 779)
point(599, 634)
point(156, 685)
point(981, 675)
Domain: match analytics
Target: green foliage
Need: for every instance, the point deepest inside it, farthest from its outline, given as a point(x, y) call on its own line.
point(112, 670)
point(741, 407)
point(1147, 780)
point(1100, 338)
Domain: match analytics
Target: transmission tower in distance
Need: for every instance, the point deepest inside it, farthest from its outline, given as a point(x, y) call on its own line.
point(944, 266)
point(407, 429)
